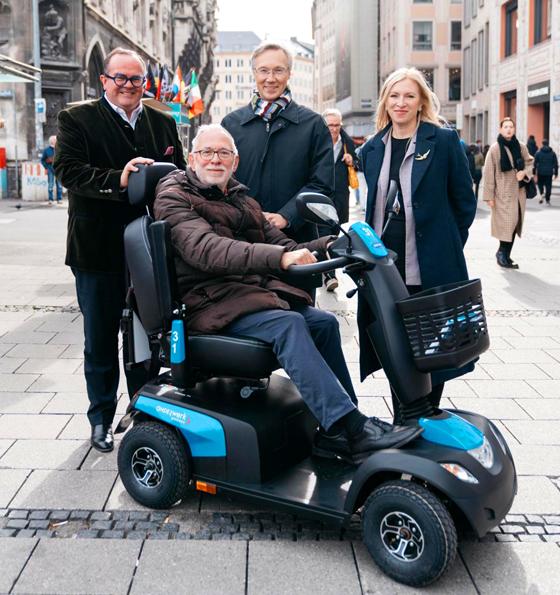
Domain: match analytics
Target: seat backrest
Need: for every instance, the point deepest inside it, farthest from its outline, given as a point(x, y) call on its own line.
point(148, 253)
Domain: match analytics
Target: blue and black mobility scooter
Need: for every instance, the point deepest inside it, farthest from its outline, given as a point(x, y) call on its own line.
point(218, 420)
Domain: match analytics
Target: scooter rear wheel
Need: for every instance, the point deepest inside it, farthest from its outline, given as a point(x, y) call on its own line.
point(409, 533)
point(154, 465)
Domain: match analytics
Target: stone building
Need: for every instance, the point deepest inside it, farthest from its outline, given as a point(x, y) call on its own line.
point(76, 35)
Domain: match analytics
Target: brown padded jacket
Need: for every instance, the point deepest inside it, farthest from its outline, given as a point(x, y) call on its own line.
point(227, 256)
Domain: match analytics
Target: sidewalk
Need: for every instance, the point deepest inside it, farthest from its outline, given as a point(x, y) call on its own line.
point(68, 526)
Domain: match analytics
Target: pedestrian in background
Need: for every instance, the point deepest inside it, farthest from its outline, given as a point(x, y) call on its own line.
point(99, 144)
point(532, 146)
point(47, 159)
point(434, 206)
point(284, 148)
point(344, 155)
point(478, 167)
point(507, 168)
point(545, 166)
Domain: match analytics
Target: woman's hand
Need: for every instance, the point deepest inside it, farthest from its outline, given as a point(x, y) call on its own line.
point(491, 203)
point(520, 175)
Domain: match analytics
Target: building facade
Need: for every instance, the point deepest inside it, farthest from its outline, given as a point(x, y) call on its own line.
point(74, 38)
point(512, 68)
point(234, 73)
point(425, 34)
point(346, 60)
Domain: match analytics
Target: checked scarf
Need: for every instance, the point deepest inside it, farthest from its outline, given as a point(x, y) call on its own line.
point(268, 110)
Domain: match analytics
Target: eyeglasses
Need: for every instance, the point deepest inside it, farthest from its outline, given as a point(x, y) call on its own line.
point(120, 79)
point(334, 125)
point(276, 72)
point(208, 154)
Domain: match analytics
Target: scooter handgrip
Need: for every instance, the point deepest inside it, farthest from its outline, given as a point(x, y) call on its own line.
point(319, 267)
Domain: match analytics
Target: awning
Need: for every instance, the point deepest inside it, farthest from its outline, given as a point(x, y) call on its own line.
point(13, 71)
point(12, 78)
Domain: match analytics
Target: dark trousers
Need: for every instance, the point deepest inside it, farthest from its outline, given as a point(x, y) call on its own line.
point(545, 186)
point(101, 297)
point(307, 344)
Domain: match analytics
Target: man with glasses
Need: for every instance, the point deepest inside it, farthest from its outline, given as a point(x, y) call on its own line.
point(228, 260)
point(98, 144)
point(284, 148)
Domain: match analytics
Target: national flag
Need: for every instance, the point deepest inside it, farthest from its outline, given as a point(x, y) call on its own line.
point(151, 86)
point(163, 83)
point(194, 97)
point(178, 94)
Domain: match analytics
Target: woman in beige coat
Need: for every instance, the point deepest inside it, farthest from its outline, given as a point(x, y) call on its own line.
point(508, 165)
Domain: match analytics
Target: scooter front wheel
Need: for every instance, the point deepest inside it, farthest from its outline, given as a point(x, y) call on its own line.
point(154, 465)
point(409, 533)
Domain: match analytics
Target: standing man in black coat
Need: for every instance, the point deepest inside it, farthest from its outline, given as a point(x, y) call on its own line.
point(344, 155)
point(98, 145)
point(545, 166)
point(284, 148)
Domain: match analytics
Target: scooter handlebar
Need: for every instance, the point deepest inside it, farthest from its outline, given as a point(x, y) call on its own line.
point(319, 267)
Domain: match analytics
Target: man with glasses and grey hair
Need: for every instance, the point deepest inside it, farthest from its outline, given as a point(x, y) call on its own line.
point(99, 144)
point(284, 148)
point(229, 259)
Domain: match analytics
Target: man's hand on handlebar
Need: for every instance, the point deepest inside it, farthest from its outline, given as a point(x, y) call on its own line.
point(131, 166)
point(302, 256)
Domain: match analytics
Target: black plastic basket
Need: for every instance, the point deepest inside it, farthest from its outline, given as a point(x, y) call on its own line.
point(446, 325)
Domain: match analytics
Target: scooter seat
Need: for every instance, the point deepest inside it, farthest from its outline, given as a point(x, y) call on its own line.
point(225, 356)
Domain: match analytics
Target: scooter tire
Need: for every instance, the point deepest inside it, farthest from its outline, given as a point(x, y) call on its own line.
point(401, 512)
point(170, 460)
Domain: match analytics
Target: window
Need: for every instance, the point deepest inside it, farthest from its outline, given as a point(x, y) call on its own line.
point(240, 62)
point(467, 71)
point(509, 105)
point(422, 35)
point(228, 78)
point(239, 78)
point(454, 84)
point(510, 28)
point(227, 63)
point(541, 20)
point(474, 9)
point(455, 35)
point(217, 63)
point(422, 1)
point(228, 94)
point(239, 94)
point(428, 75)
point(486, 53)
point(481, 58)
point(474, 72)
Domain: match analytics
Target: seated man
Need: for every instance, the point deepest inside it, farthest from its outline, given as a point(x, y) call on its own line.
point(228, 258)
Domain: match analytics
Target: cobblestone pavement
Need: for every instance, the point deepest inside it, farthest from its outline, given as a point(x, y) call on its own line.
point(59, 498)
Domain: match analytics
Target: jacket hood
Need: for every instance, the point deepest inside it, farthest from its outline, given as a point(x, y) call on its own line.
point(545, 149)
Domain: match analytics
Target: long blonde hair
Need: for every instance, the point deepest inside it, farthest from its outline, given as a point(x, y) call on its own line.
point(429, 111)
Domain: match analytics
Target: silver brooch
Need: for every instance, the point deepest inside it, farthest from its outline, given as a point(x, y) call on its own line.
point(419, 157)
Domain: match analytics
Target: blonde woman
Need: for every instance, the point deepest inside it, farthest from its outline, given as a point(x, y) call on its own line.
point(508, 165)
point(435, 204)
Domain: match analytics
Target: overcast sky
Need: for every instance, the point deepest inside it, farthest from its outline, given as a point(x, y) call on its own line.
point(279, 20)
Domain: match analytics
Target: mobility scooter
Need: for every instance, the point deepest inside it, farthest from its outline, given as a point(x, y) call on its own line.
point(218, 419)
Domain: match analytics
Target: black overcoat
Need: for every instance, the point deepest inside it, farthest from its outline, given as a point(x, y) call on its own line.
point(341, 192)
point(93, 145)
point(278, 161)
point(444, 207)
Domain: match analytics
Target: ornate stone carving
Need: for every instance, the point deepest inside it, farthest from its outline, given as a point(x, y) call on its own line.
point(54, 33)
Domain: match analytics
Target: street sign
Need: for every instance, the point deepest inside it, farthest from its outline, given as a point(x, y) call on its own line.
point(41, 110)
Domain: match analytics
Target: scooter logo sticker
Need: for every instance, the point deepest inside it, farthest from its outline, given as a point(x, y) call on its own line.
point(178, 415)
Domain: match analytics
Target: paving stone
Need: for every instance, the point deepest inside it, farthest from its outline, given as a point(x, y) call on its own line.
point(102, 525)
point(137, 515)
point(14, 555)
point(535, 432)
point(549, 389)
point(534, 518)
point(136, 534)
point(492, 408)
point(32, 426)
point(80, 515)
point(523, 567)
point(218, 566)
point(541, 408)
point(39, 524)
point(7, 532)
point(26, 350)
point(59, 515)
point(536, 495)
point(502, 537)
point(100, 515)
point(535, 529)
point(182, 536)
point(515, 518)
point(65, 489)
point(504, 389)
point(23, 402)
point(68, 402)
point(124, 525)
point(44, 533)
point(552, 519)
point(39, 515)
point(221, 537)
point(24, 533)
point(10, 482)
point(158, 516)
point(59, 383)
point(46, 454)
point(5, 445)
point(18, 514)
point(17, 382)
point(512, 529)
point(119, 515)
point(112, 534)
point(534, 459)
point(530, 538)
point(73, 566)
point(553, 529)
point(120, 500)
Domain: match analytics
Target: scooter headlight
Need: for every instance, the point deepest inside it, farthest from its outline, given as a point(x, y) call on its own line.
point(483, 454)
point(459, 472)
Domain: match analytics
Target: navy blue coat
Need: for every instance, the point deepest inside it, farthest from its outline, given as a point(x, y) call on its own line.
point(444, 207)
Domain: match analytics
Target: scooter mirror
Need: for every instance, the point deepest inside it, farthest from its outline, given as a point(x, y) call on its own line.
point(317, 208)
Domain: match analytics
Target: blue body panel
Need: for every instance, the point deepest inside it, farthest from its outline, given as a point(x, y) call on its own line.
point(204, 434)
point(370, 239)
point(177, 342)
point(453, 431)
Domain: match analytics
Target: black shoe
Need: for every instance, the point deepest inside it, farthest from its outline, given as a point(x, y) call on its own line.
point(102, 438)
point(374, 437)
point(332, 446)
point(503, 261)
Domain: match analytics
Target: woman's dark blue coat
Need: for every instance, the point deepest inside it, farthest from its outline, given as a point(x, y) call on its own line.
point(444, 208)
